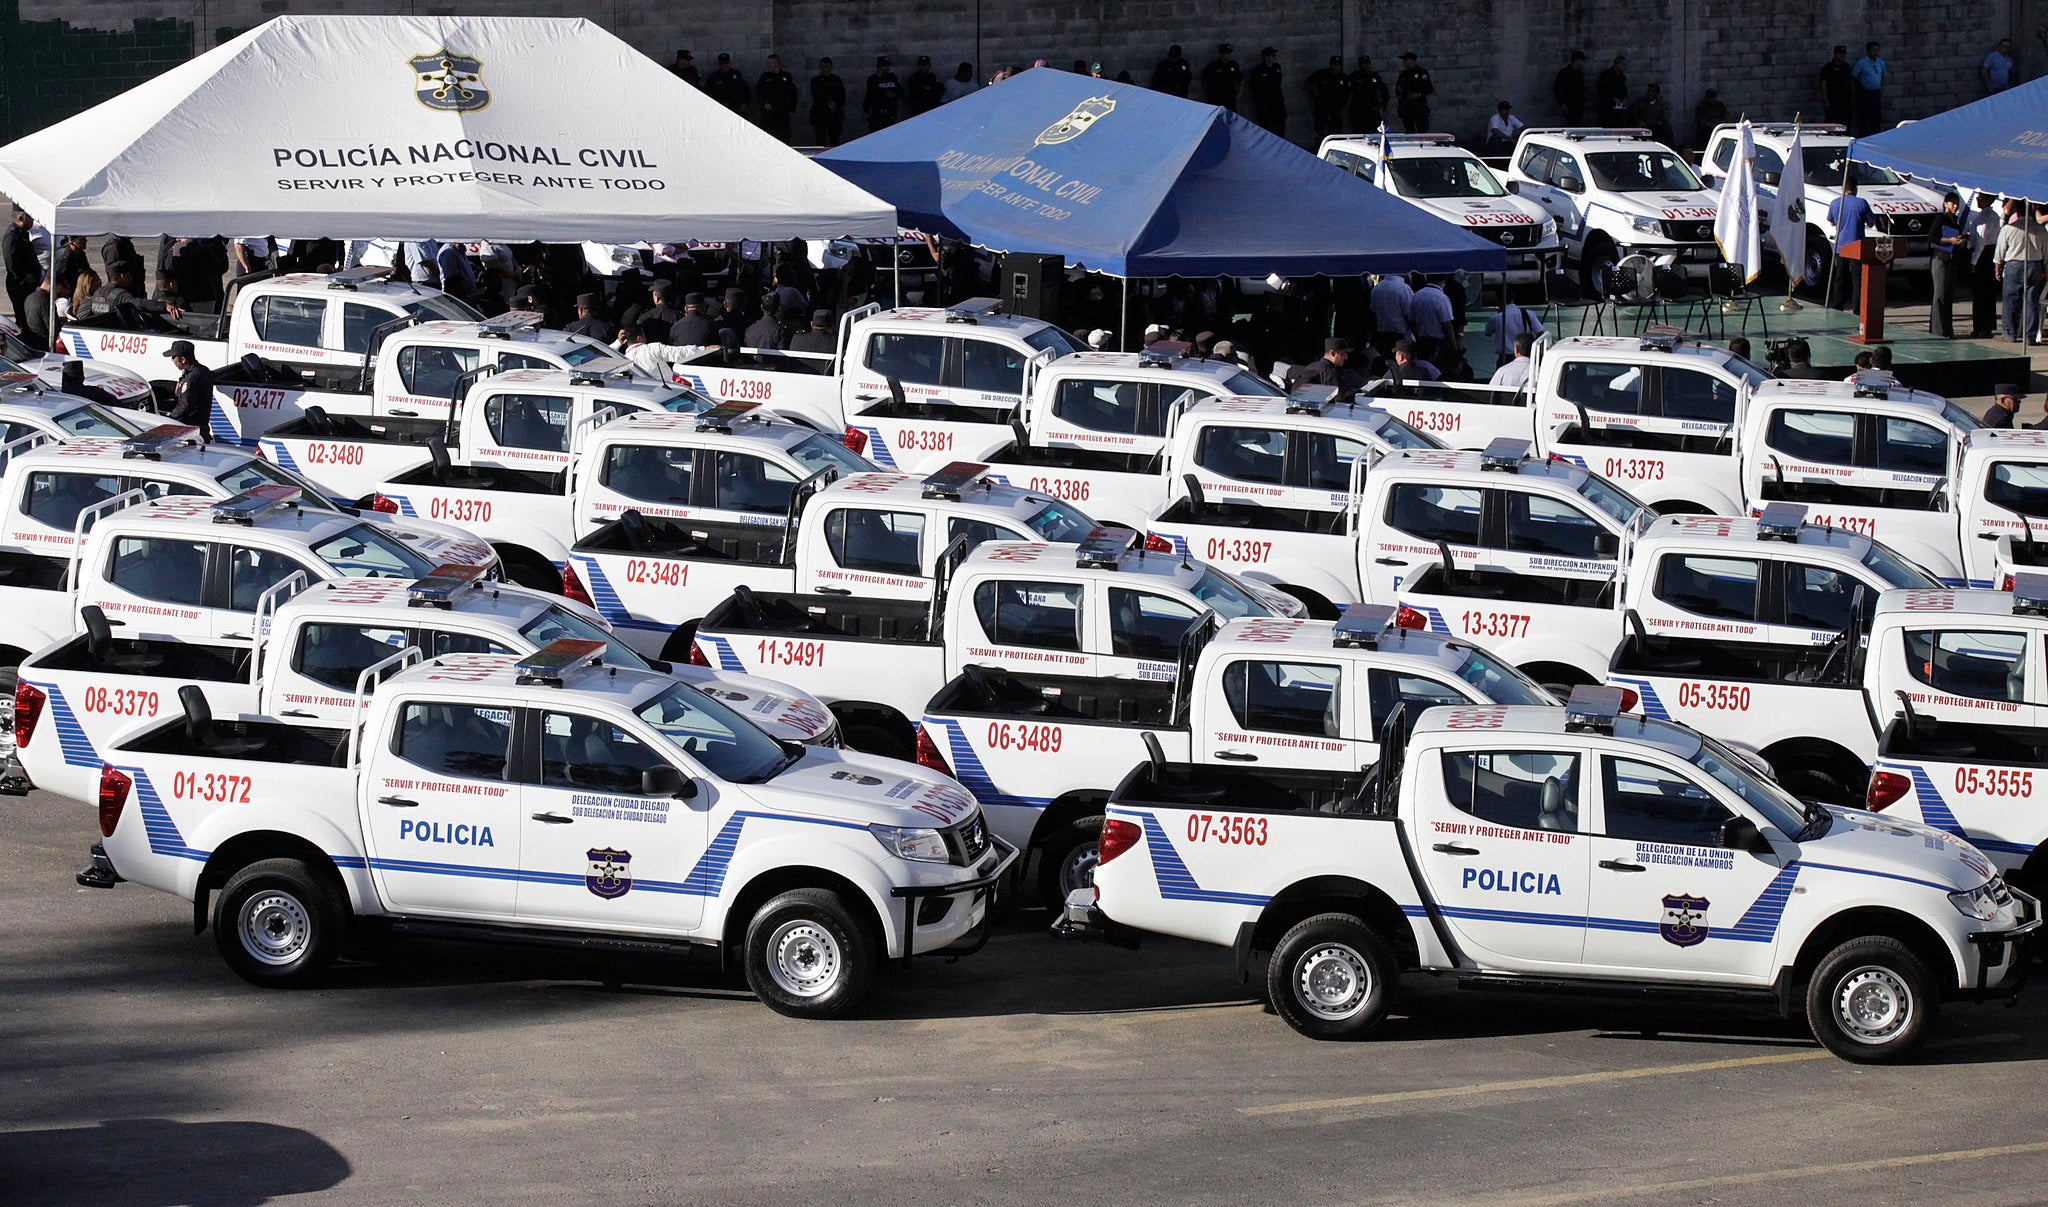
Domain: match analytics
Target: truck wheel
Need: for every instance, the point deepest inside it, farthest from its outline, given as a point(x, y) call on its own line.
point(1332, 977)
point(870, 737)
point(278, 923)
point(809, 956)
point(1067, 860)
point(1811, 783)
point(1871, 1001)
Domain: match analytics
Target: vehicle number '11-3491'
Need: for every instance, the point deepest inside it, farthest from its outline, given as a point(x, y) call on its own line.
point(1231, 831)
point(790, 653)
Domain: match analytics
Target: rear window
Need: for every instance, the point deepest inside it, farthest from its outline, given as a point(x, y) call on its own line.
point(1721, 587)
point(1983, 665)
point(863, 538)
point(1040, 615)
point(1435, 513)
point(1284, 697)
point(1526, 789)
point(166, 570)
point(460, 740)
point(1828, 437)
point(2018, 487)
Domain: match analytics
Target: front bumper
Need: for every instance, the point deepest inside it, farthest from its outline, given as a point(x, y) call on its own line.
point(2007, 950)
point(14, 779)
point(984, 890)
point(1692, 259)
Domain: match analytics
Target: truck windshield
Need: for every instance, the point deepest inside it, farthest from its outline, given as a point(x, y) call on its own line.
point(364, 552)
point(431, 306)
point(96, 421)
point(1824, 168)
point(597, 358)
point(1224, 596)
point(1251, 383)
point(686, 401)
point(1651, 170)
point(256, 472)
point(1060, 523)
point(1397, 434)
point(1765, 796)
point(1609, 498)
point(1963, 420)
point(1896, 571)
point(730, 748)
point(818, 453)
point(1443, 176)
point(559, 622)
point(1052, 339)
point(1502, 683)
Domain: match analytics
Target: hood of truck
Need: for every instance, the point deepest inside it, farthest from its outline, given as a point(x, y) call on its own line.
point(443, 544)
point(864, 790)
point(781, 710)
point(1484, 211)
point(1889, 847)
point(1659, 205)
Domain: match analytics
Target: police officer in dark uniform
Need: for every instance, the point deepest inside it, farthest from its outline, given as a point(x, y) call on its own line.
point(775, 91)
point(1332, 370)
point(764, 332)
point(657, 319)
point(1268, 93)
point(685, 69)
point(1173, 75)
point(590, 321)
point(1412, 91)
point(819, 338)
point(2005, 405)
point(1328, 90)
point(828, 105)
point(885, 93)
point(193, 393)
point(694, 327)
point(924, 87)
point(1369, 97)
point(729, 88)
point(1222, 78)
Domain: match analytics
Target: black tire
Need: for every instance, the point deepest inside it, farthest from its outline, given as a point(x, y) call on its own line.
point(871, 737)
point(1872, 1001)
point(1066, 859)
point(279, 923)
point(809, 955)
point(1332, 977)
point(1812, 783)
point(1595, 258)
point(531, 570)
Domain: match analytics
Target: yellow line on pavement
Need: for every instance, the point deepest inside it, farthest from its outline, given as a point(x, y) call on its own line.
point(1649, 1190)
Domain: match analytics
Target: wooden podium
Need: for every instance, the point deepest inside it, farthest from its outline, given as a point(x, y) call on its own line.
point(1874, 253)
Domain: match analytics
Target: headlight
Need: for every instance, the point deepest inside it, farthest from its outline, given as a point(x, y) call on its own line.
point(1980, 903)
point(924, 846)
point(1648, 226)
point(1548, 232)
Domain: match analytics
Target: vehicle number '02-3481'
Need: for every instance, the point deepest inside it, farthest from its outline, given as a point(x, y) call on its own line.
point(1495, 624)
point(211, 788)
point(1994, 781)
point(1715, 697)
point(1231, 831)
point(1042, 738)
point(1236, 549)
point(657, 574)
point(790, 653)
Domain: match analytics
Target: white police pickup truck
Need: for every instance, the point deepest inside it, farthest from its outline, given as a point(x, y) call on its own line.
point(1108, 607)
point(522, 418)
point(1435, 175)
point(1561, 848)
point(1959, 677)
point(546, 798)
point(1304, 451)
point(879, 535)
point(30, 407)
point(312, 649)
point(1042, 752)
point(104, 384)
point(1616, 193)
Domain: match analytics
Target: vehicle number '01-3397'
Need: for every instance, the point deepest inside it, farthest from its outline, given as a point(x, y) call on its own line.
point(1236, 549)
point(1231, 831)
point(212, 788)
point(1042, 738)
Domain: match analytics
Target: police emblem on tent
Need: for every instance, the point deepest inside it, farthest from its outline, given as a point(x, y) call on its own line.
point(1685, 920)
point(1075, 124)
point(610, 874)
point(450, 82)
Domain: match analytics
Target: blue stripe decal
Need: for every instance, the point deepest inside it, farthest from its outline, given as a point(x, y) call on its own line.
point(405, 507)
point(1939, 888)
point(280, 454)
point(878, 448)
point(972, 774)
point(162, 832)
point(727, 659)
point(79, 346)
point(605, 597)
point(1933, 809)
point(1435, 618)
point(1176, 883)
point(77, 748)
point(1653, 704)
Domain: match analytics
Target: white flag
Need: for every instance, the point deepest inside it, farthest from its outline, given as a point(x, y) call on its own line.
point(1788, 212)
point(1735, 222)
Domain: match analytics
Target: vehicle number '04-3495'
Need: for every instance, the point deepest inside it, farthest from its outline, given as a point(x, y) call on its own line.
point(212, 788)
point(1236, 549)
point(1994, 781)
point(1495, 624)
point(1042, 738)
point(790, 653)
point(1232, 831)
point(1716, 697)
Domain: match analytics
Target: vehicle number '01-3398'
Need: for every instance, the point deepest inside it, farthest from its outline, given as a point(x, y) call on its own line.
point(212, 788)
point(1236, 549)
point(1994, 781)
point(1231, 831)
point(1716, 697)
point(744, 388)
point(1042, 738)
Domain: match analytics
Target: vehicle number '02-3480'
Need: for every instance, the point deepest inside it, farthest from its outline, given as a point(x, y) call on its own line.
point(211, 788)
point(1042, 738)
point(1994, 781)
point(1230, 831)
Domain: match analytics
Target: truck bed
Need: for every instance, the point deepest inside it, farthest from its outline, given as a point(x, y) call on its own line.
point(780, 614)
point(33, 571)
point(325, 379)
point(1247, 789)
point(990, 692)
point(364, 428)
point(1073, 458)
point(483, 477)
point(1935, 741)
point(1250, 515)
point(695, 539)
point(1754, 662)
point(291, 742)
point(1506, 587)
point(183, 660)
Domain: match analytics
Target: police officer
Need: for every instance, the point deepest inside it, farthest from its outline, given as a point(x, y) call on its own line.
point(1222, 78)
point(2005, 405)
point(819, 338)
point(1332, 370)
point(657, 319)
point(885, 93)
point(694, 327)
point(1412, 91)
point(1328, 90)
point(924, 88)
point(729, 88)
point(685, 69)
point(193, 393)
point(764, 332)
point(1368, 97)
point(1269, 96)
point(828, 105)
point(1173, 75)
point(776, 93)
point(24, 269)
point(592, 322)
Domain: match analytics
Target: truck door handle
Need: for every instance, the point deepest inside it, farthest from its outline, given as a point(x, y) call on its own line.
point(1388, 561)
point(553, 819)
point(294, 712)
point(407, 414)
point(1982, 536)
point(834, 591)
point(1452, 848)
point(396, 802)
point(1616, 865)
point(1234, 757)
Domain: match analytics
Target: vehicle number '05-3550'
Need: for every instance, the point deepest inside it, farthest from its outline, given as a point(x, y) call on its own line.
point(1042, 738)
point(1994, 781)
point(1231, 831)
point(1716, 697)
point(211, 788)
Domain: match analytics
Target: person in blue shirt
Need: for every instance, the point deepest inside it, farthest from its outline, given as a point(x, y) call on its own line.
point(1870, 73)
point(1852, 217)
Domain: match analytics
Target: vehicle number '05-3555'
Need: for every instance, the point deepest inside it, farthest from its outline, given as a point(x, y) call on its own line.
point(121, 701)
point(1236, 549)
point(1043, 738)
point(1494, 624)
point(211, 788)
point(1716, 697)
point(657, 574)
point(790, 653)
point(1994, 781)
point(1231, 831)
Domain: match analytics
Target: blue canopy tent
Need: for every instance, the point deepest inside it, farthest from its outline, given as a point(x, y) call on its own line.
point(1996, 145)
point(1134, 183)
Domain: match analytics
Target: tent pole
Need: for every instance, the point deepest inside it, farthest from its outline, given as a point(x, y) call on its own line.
point(1827, 297)
point(897, 260)
point(1123, 317)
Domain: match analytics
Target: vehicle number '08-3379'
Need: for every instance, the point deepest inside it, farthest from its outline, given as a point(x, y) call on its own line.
point(1994, 781)
point(211, 788)
point(1230, 831)
point(1043, 738)
point(121, 701)
point(1236, 549)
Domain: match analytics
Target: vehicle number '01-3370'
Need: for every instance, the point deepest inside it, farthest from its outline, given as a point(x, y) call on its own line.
point(1230, 831)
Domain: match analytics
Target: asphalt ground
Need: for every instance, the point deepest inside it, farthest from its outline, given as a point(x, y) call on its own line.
point(136, 1069)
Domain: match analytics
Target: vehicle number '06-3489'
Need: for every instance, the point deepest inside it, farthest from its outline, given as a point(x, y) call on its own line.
point(1042, 738)
point(1716, 697)
point(1236, 549)
point(211, 788)
point(1231, 831)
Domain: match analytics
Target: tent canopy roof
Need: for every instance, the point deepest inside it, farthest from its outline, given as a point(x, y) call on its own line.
point(1135, 183)
point(427, 127)
point(1996, 145)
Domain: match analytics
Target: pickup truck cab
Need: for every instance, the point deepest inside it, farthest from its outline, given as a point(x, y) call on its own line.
point(549, 797)
point(1042, 752)
point(1617, 193)
point(1503, 846)
point(312, 650)
point(1107, 607)
point(523, 418)
point(882, 535)
point(1434, 174)
point(1904, 209)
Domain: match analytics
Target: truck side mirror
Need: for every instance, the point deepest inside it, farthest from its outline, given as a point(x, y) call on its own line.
point(1571, 184)
point(1741, 834)
point(665, 780)
point(1607, 545)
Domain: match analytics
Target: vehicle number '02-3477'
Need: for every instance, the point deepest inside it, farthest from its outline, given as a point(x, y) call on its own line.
point(1042, 738)
point(790, 653)
point(1230, 831)
point(211, 788)
point(1715, 697)
point(1236, 549)
point(1494, 624)
point(1994, 781)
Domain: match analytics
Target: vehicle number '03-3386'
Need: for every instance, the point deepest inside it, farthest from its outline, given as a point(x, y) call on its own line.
point(1231, 831)
point(1061, 488)
point(212, 788)
point(1994, 781)
point(1042, 738)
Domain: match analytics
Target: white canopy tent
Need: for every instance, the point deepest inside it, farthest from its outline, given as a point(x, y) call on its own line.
point(496, 128)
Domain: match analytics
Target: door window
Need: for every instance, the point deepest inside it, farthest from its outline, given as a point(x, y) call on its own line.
point(284, 320)
point(55, 499)
point(1599, 386)
point(1908, 446)
point(1828, 437)
point(165, 570)
point(863, 538)
point(1284, 697)
point(336, 655)
point(650, 473)
point(978, 531)
point(1647, 803)
point(910, 359)
point(515, 360)
point(1526, 789)
point(591, 754)
point(253, 571)
point(358, 322)
point(537, 421)
point(1044, 616)
point(1390, 689)
point(1566, 168)
point(1144, 625)
point(431, 372)
point(1541, 524)
point(1330, 459)
point(1722, 587)
point(459, 740)
point(1684, 394)
point(1101, 406)
point(990, 367)
point(1435, 513)
point(756, 484)
point(1820, 598)
point(1981, 665)
point(1536, 163)
point(436, 642)
point(1244, 454)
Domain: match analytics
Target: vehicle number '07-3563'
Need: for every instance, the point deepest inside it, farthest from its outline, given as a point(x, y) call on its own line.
point(1494, 624)
point(1716, 697)
point(121, 701)
point(790, 653)
point(657, 574)
point(1994, 781)
point(211, 788)
point(1236, 549)
point(1231, 831)
point(1042, 738)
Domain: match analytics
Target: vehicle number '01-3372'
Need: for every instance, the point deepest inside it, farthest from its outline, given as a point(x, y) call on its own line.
point(1043, 738)
point(212, 788)
point(1994, 781)
point(1230, 831)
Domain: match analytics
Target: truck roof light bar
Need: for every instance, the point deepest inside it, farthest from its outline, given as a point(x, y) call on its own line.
point(1581, 133)
point(1662, 339)
point(1310, 399)
point(1162, 352)
point(949, 481)
point(356, 278)
point(1870, 383)
point(1781, 522)
point(439, 588)
point(973, 310)
point(1412, 140)
point(1504, 452)
point(2030, 594)
point(550, 665)
point(722, 417)
point(1362, 626)
point(256, 501)
point(1592, 709)
point(163, 438)
point(579, 377)
point(510, 323)
point(1104, 548)
point(1802, 127)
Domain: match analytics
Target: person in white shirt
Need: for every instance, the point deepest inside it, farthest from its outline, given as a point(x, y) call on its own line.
point(1502, 129)
point(1504, 327)
point(1514, 374)
point(1390, 298)
point(1982, 228)
point(655, 360)
point(1430, 318)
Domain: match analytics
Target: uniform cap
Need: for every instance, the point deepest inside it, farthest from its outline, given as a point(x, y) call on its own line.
point(586, 300)
point(2004, 389)
point(184, 348)
point(820, 318)
point(1336, 343)
point(694, 299)
point(1407, 55)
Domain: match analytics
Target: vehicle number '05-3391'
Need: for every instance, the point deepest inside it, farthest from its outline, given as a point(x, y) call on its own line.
point(1716, 697)
point(212, 788)
point(1494, 624)
point(1231, 831)
point(1236, 549)
point(786, 652)
point(1994, 781)
point(1042, 738)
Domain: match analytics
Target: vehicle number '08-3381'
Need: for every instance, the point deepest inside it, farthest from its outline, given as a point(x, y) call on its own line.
point(1230, 831)
point(1042, 738)
point(211, 788)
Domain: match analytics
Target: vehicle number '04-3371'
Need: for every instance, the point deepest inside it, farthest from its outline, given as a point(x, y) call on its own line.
point(1231, 831)
point(1994, 781)
point(1236, 549)
point(1042, 738)
point(1716, 697)
point(211, 788)
point(790, 653)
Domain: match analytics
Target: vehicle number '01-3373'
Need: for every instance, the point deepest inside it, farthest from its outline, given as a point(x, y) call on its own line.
point(1636, 469)
point(1042, 738)
point(212, 788)
point(1994, 781)
point(1230, 831)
